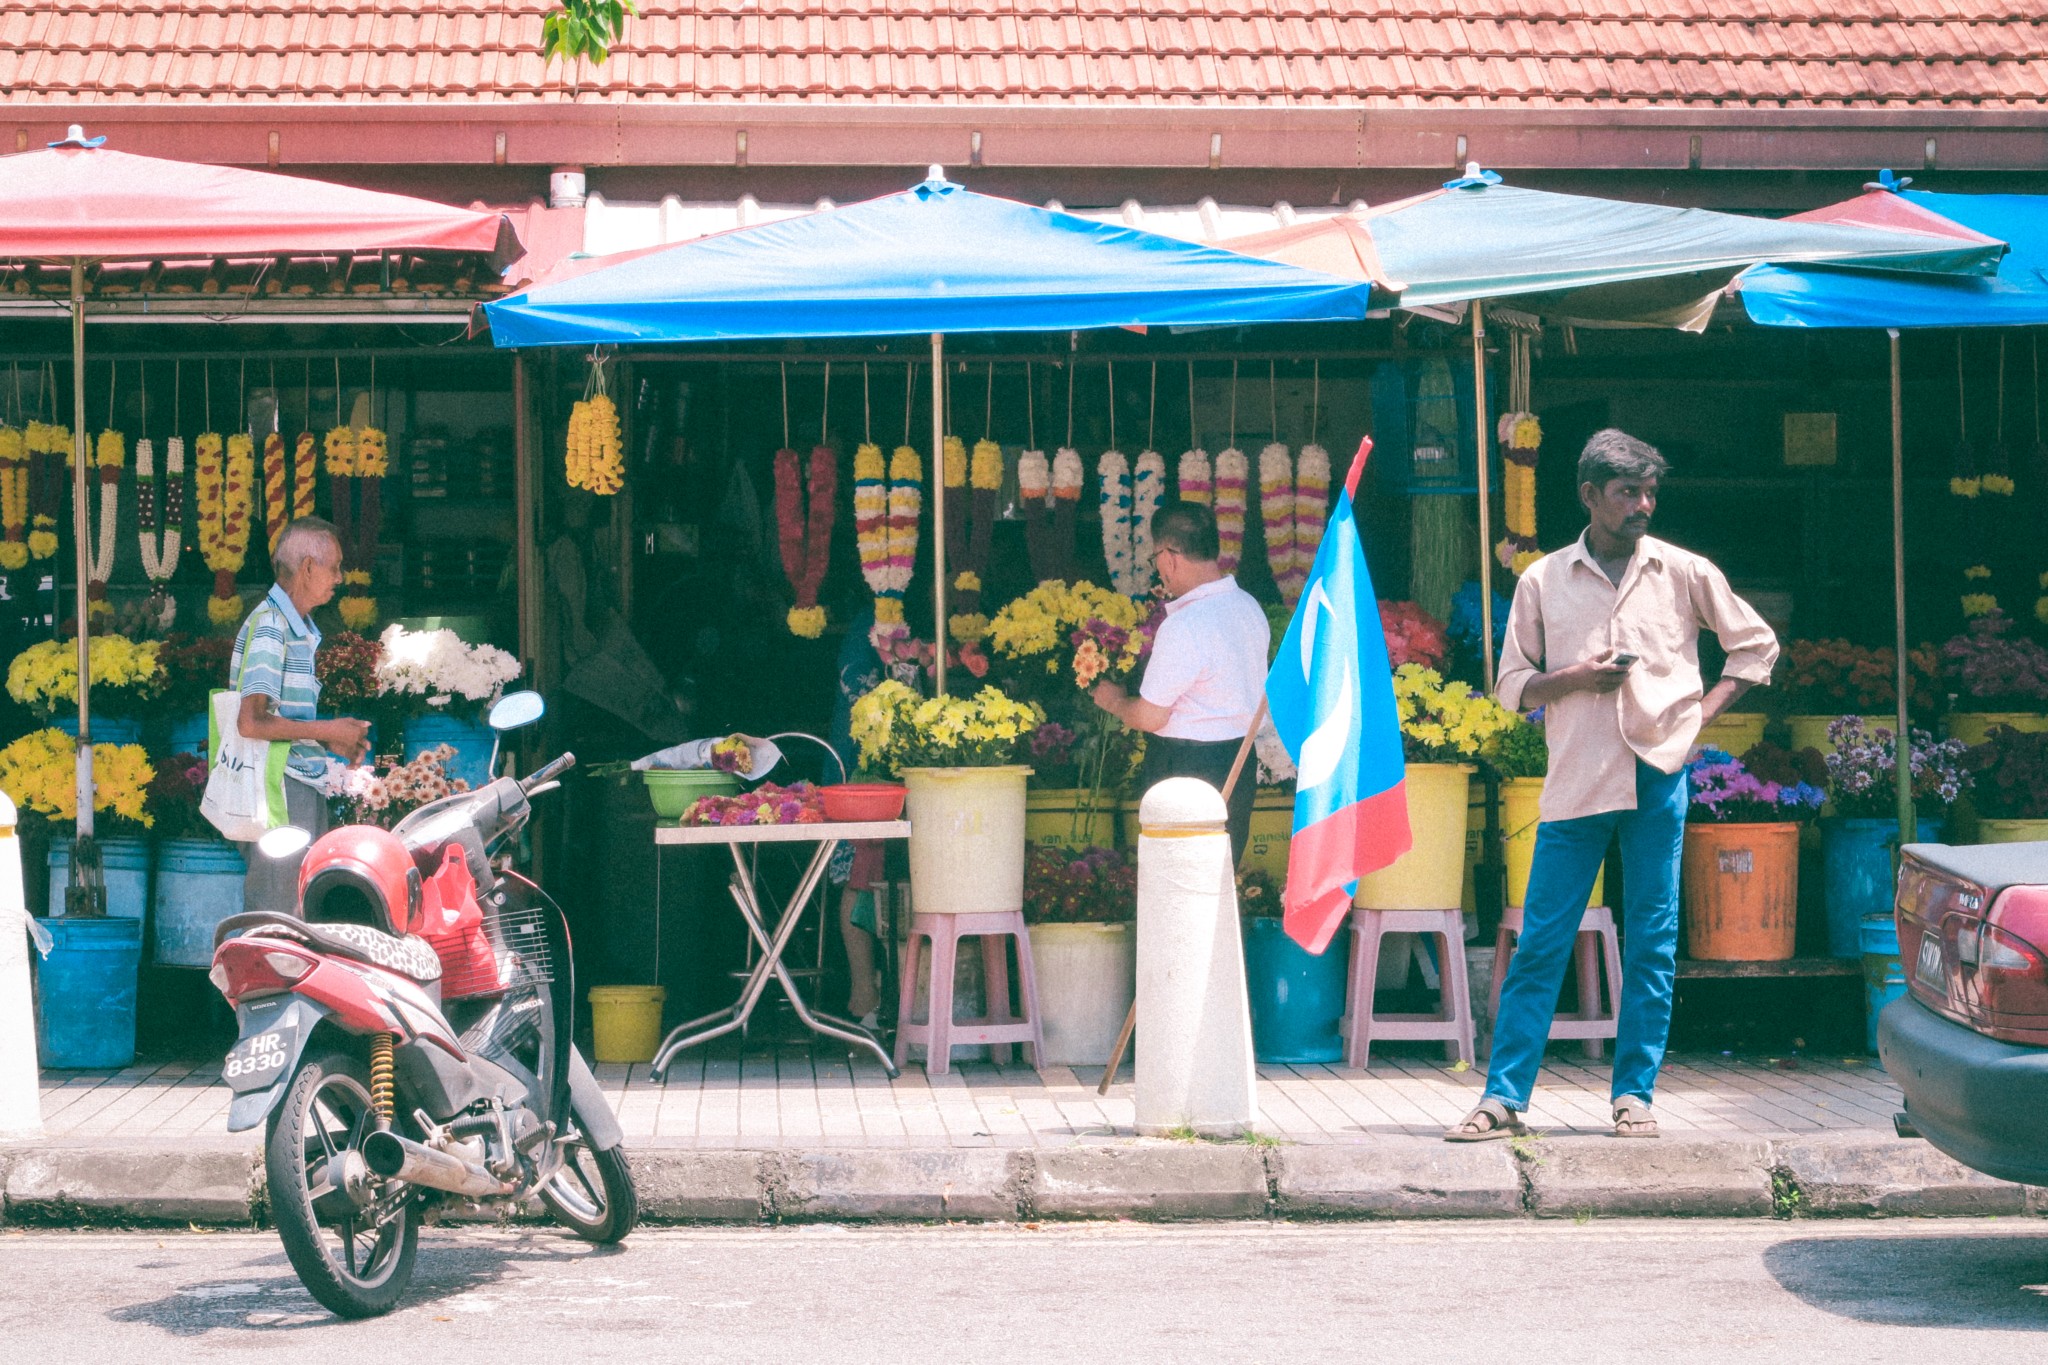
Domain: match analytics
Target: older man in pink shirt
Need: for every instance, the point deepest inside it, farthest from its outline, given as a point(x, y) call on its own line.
point(1604, 636)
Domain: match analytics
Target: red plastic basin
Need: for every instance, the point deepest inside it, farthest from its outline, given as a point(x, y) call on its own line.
point(856, 801)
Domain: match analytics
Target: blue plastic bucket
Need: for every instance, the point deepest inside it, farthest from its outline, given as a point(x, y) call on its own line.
point(105, 729)
point(1884, 975)
point(125, 861)
point(1297, 997)
point(85, 993)
point(1857, 857)
point(198, 884)
point(188, 734)
point(472, 741)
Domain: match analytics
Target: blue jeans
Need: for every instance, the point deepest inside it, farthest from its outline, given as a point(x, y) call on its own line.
point(1568, 856)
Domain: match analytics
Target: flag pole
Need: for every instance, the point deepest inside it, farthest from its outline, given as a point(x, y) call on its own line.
point(1485, 492)
point(1123, 1038)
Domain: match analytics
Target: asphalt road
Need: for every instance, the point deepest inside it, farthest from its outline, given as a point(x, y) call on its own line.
point(1626, 1292)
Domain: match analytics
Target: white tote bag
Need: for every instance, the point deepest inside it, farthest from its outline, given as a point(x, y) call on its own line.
point(245, 783)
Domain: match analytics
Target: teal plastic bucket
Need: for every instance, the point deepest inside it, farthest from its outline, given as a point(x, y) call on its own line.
point(188, 734)
point(472, 741)
point(85, 993)
point(1884, 976)
point(1297, 997)
point(105, 729)
point(1857, 857)
point(125, 861)
point(198, 884)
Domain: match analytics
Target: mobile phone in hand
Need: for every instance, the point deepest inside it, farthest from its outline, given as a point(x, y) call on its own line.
point(1623, 661)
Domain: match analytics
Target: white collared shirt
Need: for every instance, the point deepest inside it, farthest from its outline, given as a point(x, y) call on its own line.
point(1208, 664)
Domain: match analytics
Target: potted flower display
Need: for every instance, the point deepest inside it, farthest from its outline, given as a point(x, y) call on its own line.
point(1520, 758)
point(195, 666)
point(444, 686)
point(127, 679)
point(1819, 680)
point(1051, 647)
point(1859, 838)
point(1999, 677)
point(956, 755)
point(1740, 867)
point(2011, 796)
point(1297, 997)
point(198, 873)
point(1445, 726)
point(1081, 908)
point(351, 686)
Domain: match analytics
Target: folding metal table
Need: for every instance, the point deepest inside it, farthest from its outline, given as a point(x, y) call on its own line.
point(773, 943)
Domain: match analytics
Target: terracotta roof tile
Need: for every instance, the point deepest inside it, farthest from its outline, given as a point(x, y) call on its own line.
point(1511, 53)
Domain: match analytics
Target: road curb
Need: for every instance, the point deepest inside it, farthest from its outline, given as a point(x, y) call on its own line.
point(83, 1183)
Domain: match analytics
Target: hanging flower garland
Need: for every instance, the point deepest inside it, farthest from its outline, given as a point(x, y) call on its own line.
point(592, 459)
point(805, 541)
point(365, 489)
point(1232, 488)
point(305, 467)
point(905, 505)
point(1520, 437)
point(1118, 550)
point(226, 487)
point(110, 453)
point(276, 491)
point(1276, 513)
point(1034, 488)
point(160, 512)
point(953, 473)
point(1311, 512)
point(871, 518)
point(1196, 478)
point(1967, 480)
point(1068, 475)
point(49, 455)
point(969, 624)
point(13, 500)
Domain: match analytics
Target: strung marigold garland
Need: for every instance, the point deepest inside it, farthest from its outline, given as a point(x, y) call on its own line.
point(969, 624)
point(1520, 438)
point(161, 521)
point(13, 500)
point(49, 455)
point(592, 459)
point(226, 487)
point(363, 495)
point(806, 541)
point(110, 453)
point(871, 517)
point(305, 467)
point(1276, 513)
point(1311, 511)
point(1232, 483)
point(276, 491)
point(906, 504)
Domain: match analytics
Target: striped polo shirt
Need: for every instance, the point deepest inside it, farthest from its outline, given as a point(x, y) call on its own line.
point(274, 658)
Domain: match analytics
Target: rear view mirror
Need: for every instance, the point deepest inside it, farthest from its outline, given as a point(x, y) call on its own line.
point(286, 841)
point(516, 710)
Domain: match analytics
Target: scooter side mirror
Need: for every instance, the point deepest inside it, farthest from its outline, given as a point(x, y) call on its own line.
point(517, 710)
point(286, 841)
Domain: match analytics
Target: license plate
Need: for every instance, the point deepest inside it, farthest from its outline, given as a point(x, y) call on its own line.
point(1928, 966)
point(267, 1048)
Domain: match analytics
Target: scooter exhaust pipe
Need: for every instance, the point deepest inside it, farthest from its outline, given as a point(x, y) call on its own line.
point(400, 1158)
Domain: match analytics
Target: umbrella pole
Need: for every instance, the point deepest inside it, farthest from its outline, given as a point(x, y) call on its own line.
point(1485, 493)
point(1902, 764)
point(939, 510)
point(81, 534)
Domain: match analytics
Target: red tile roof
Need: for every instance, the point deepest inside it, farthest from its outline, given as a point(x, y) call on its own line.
point(1834, 54)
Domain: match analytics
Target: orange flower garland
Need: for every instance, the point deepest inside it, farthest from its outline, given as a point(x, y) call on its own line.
point(13, 500)
point(276, 505)
point(226, 487)
point(304, 462)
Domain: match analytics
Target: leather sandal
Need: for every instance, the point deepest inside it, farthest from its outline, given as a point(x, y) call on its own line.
point(1633, 1119)
point(1490, 1121)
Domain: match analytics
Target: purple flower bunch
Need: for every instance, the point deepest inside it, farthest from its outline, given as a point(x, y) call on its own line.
point(1726, 792)
point(768, 804)
point(1094, 886)
point(1996, 669)
point(2012, 772)
point(1052, 744)
point(1862, 770)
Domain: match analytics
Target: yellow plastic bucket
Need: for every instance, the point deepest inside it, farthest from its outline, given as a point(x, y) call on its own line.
point(1518, 820)
point(1074, 819)
point(625, 1022)
point(1431, 874)
point(1735, 733)
point(1272, 833)
point(1811, 732)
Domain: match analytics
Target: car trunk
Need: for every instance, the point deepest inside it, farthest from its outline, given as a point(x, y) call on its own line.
point(1973, 935)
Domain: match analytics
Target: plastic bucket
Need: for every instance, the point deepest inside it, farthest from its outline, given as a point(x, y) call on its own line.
point(1086, 975)
point(966, 838)
point(125, 863)
point(1431, 874)
point(1272, 833)
point(1974, 727)
point(1297, 997)
point(674, 790)
point(1518, 820)
point(1884, 976)
point(1072, 818)
point(1735, 733)
point(85, 993)
point(472, 741)
point(105, 729)
point(625, 1022)
point(1811, 732)
point(1741, 891)
point(1856, 856)
point(188, 734)
point(198, 884)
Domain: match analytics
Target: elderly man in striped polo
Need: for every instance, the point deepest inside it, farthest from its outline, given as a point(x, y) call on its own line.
point(272, 668)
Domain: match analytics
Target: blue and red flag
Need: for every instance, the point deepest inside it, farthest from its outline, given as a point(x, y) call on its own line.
point(1331, 694)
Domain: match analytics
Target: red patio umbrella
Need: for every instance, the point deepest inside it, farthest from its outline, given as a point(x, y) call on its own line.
point(77, 203)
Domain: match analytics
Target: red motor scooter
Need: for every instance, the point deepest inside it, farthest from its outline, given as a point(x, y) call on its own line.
point(407, 1037)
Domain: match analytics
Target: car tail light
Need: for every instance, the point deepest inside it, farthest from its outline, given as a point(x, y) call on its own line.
point(242, 969)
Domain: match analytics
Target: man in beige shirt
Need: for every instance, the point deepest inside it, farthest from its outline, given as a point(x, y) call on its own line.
point(1604, 636)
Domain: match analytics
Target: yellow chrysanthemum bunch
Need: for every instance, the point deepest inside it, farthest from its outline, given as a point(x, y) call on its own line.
point(39, 771)
point(1042, 621)
point(44, 676)
point(48, 438)
point(954, 462)
point(341, 452)
point(1445, 722)
point(897, 729)
point(592, 458)
point(373, 453)
point(987, 469)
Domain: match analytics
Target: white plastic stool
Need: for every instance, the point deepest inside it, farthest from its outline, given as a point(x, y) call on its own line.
point(1453, 1020)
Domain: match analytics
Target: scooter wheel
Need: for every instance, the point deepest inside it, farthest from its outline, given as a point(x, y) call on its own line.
point(593, 1194)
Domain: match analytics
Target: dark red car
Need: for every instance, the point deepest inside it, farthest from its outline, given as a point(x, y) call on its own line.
point(1969, 1041)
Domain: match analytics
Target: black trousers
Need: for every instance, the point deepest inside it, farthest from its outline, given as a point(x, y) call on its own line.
point(1209, 760)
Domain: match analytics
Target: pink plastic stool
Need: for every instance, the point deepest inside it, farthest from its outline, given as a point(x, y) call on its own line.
point(1453, 1020)
point(1597, 942)
point(941, 1032)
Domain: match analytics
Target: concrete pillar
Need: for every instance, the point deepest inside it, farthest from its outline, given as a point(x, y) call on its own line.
point(1194, 1034)
point(21, 1104)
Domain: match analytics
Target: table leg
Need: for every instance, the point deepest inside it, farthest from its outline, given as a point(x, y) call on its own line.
point(735, 1015)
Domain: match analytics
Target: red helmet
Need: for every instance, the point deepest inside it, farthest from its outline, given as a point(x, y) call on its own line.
point(360, 874)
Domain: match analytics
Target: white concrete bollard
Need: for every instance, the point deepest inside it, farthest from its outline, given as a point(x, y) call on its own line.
point(21, 1102)
point(1194, 1035)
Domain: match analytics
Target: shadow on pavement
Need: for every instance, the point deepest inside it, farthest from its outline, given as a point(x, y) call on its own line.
point(268, 1298)
point(1993, 1282)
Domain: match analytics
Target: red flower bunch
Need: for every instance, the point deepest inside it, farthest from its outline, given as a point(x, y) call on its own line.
point(174, 795)
point(1413, 635)
point(1096, 886)
point(194, 665)
point(347, 669)
point(1835, 677)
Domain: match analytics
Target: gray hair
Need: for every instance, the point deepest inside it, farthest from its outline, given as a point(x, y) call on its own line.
point(1614, 454)
point(299, 543)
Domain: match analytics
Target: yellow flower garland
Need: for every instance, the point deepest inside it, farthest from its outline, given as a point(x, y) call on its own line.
point(592, 459)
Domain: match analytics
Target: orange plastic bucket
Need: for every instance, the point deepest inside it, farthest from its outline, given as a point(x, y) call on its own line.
point(1740, 890)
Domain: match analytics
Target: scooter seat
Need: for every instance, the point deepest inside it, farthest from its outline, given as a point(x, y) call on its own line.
point(410, 956)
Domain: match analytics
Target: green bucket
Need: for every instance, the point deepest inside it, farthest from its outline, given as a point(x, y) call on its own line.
point(674, 790)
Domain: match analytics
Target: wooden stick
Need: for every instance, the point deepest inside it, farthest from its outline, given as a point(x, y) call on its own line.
point(1123, 1039)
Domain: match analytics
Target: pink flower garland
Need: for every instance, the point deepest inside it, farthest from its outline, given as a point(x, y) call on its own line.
point(1232, 477)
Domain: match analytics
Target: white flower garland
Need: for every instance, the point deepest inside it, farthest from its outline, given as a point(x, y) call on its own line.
point(1276, 512)
point(1151, 491)
point(1197, 480)
point(1232, 473)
